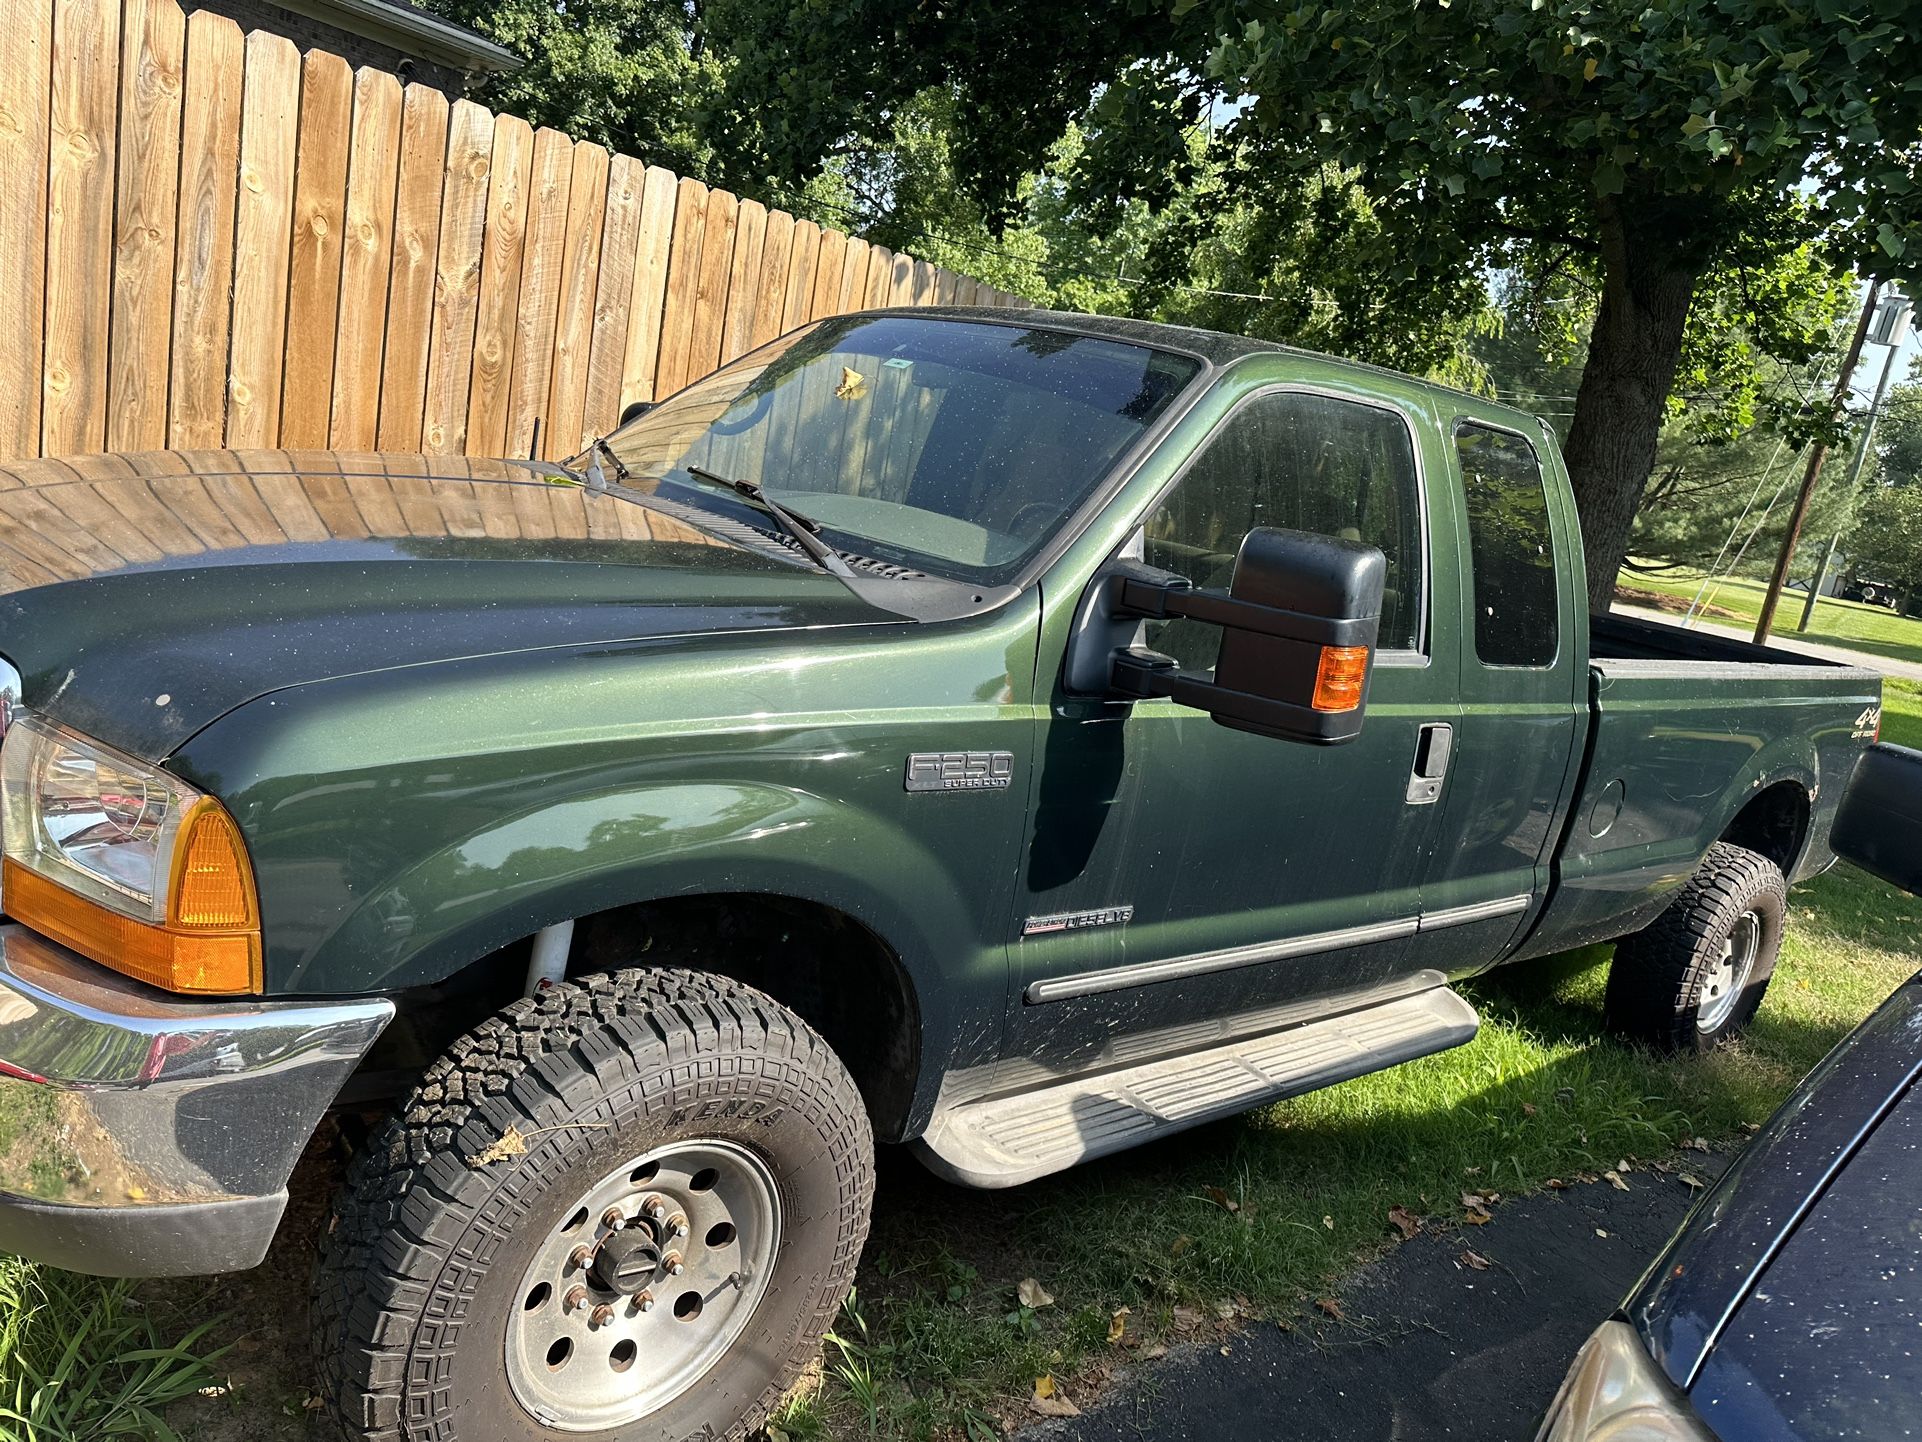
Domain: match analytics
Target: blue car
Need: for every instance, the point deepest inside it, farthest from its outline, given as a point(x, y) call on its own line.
point(1789, 1306)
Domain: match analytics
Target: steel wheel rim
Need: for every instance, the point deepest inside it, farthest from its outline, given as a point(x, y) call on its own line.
point(1724, 984)
point(584, 1355)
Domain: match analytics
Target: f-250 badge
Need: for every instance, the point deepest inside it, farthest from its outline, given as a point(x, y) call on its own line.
point(960, 771)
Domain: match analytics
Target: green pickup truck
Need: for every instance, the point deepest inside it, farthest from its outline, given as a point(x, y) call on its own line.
point(1017, 735)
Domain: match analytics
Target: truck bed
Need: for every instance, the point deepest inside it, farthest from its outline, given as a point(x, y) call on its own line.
point(1686, 729)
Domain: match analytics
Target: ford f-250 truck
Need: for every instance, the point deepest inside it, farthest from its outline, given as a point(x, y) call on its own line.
point(1014, 734)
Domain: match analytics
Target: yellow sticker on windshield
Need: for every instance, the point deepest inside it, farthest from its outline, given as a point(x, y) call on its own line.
point(853, 385)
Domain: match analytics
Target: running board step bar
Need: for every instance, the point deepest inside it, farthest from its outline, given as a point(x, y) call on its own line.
point(1004, 1141)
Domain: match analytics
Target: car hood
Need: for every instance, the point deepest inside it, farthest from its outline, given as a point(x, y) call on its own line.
point(1793, 1195)
point(143, 596)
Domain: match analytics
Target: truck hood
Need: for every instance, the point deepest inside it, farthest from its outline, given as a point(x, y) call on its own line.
point(143, 596)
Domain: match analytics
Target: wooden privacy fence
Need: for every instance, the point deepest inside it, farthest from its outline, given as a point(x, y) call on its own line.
point(214, 240)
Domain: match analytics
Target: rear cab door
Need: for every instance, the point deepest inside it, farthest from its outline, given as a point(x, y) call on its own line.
point(1523, 668)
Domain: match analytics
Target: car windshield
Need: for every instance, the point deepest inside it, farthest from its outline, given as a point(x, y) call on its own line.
point(951, 446)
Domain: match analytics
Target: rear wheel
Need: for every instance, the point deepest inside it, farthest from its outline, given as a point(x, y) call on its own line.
point(1695, 975)
point(627, 1208)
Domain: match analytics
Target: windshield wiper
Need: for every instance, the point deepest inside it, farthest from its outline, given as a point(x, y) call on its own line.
point(804, 529)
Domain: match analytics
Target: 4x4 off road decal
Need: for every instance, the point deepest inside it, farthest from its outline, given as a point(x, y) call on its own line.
point(1867, 725)
point(960, 771)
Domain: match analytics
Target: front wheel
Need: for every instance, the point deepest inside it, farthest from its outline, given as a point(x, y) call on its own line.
point(1695, 975)
point(629, 1207)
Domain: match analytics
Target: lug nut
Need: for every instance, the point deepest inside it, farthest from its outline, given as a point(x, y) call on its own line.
point(675, 1266)
point(677, 1226)
point(600, 1316)
point(643, 1302)
point(655, 1209)
point(576, 1297)
point(581, 1258)
point(613, 1219)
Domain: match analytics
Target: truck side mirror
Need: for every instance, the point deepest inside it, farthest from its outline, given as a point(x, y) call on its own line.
point(1298, 620)
point(1879, 823)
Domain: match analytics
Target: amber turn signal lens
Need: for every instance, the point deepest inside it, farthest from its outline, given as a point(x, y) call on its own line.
point(1339, 677)
point(211, 942)
point(213, 889)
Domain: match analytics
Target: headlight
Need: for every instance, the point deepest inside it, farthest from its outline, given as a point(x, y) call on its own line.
point(124, 863)
point(1615, 1393)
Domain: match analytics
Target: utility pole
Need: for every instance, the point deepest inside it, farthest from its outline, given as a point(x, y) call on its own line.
point(1855, 474)
point(1817, 454)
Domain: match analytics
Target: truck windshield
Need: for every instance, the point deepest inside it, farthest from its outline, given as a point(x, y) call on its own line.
point(951, 446)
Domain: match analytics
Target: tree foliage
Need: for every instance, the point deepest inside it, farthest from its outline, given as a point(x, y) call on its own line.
point(1886, 541)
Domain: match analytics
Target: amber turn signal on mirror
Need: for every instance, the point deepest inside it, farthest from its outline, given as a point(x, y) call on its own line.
point(1340, 677)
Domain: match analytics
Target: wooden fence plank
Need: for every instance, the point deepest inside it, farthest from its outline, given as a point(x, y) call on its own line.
point(827, 274)
point(924, 283)
point(313, 270)
point(80, 167)
point(367, 249)
point(854, 278)
point(539, 304)
point(614, 294)
point(410, 294)
point(880, 275)
point(800, 274)
point(263, 226)
point(503, 259)
point(683, 281)
point(204, 257)
point(744, 279)
point(945, 283)
point(153, 46)
point(710, 293)
point(574, 321)
point(463, 225)
point(770, 301)
point(901, 283)
point(644, 307)
point(26, 74)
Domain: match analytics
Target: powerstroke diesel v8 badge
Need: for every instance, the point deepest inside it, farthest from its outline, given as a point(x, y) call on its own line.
point(960, 771)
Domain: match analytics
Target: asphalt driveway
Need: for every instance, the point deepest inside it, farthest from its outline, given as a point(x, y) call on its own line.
point(1427, 1346)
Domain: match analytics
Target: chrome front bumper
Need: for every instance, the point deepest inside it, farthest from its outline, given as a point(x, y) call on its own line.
point(142, 1135)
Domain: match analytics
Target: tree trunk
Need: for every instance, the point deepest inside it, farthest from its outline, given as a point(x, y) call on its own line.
point(1648, 281)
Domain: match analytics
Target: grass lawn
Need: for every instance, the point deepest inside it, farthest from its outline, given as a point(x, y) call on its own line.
point(1874, 629)
point(1246, 1218)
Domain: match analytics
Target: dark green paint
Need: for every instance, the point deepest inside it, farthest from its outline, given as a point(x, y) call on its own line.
point(434, 755)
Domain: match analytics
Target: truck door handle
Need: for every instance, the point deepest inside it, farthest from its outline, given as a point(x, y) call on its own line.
point(1434, 744)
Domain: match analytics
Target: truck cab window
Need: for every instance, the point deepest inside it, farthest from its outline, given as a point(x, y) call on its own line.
point(1307, 462)
point(1510, 550)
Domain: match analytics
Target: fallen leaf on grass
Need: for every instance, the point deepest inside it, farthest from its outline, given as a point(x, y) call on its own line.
point(1475, 1260)
point(1404, 1221)
point(1032, 1295)
point(1751, 1127)
point(1614, 1179)
point(1330, 1307)
point(1329, 1223)
point(1556, 1184)
point(1186, 1319)
point(1472, 1200)
point(1118, 1326)
point(1691, 1181)
point(1048, 1401)
point(773, 1434)
point(1528, 1109)
point(1225, 1311)
point(1696, 1144)
point(1623, 1166)
point(1221, 1199)
point(1152, 1352)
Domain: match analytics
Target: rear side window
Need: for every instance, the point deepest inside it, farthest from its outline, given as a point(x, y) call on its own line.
point(1307, 462)
point(1509, 548)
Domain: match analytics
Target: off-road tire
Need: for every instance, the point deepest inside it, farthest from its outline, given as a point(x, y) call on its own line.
point(426, 1249)
point(1657, 984)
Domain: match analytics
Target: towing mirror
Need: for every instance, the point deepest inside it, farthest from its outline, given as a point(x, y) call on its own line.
point(633, 411)
point(1879, 823)
point(1298, 622)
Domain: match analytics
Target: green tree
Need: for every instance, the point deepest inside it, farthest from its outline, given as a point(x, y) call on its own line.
point(1660, 143)
point(1886, 541)
point(1898, 437)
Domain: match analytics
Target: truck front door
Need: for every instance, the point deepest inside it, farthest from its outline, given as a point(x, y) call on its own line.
point(1178, 872)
